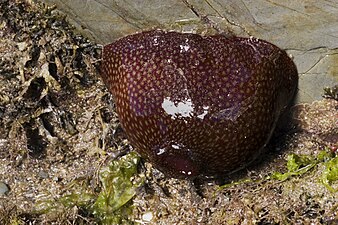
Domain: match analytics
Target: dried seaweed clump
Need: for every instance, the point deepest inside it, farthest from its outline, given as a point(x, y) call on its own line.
point(56, 118)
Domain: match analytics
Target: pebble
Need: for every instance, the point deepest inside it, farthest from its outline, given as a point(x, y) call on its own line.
point(43, 174)
point(4, 189)
point(148, 216)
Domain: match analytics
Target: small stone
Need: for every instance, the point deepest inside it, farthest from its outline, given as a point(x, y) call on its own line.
point(4, 189)
point(43, 174)
point(148, 216)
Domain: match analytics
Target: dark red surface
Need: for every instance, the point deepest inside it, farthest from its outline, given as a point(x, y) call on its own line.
point(197, 105)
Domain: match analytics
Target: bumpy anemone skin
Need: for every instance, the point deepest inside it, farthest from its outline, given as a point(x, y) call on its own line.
point(196, 105)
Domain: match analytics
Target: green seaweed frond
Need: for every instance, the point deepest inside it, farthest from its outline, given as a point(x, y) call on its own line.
point(300, 164)
point(118, 188)
point(111, 204)
point(330, 174)
point(235, 183)
point(296, 165)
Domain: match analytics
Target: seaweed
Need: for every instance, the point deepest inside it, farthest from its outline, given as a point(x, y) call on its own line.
point(118, 188)
point(296, 165)
point(111, 203)
point(330, 174)
point(300, 164)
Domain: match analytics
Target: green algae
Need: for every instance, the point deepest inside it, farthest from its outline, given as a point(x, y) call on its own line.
point(300, 164)
point(118, 188)
point(235, 183)
point(296, 165)
point(111, 203)
point(330, 174)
